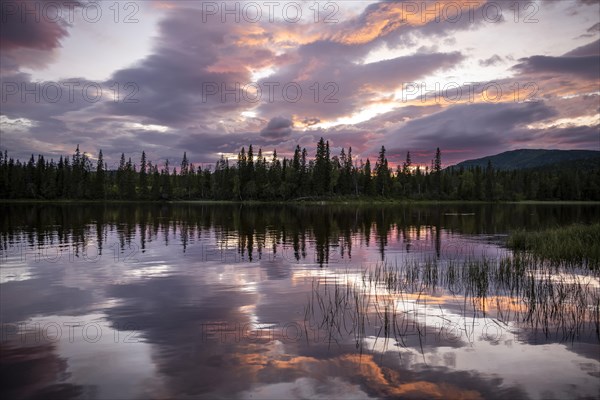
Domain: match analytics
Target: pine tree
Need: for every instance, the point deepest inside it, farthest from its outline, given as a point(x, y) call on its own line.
point(166, 188)
point(322, 171)
point(382, 174)
point(350, 171)
point(275, 175)
point(99, 182)
point(76, 174)
point(250, 189)
point(155, 195)
point(367, 179)
point(261, 174)
point(40, 172)
point(305, 178)
point(185, 177)
point(407, 164)
point(143, 177)
point(122, 178)
point(437, 171)
point(130, 175)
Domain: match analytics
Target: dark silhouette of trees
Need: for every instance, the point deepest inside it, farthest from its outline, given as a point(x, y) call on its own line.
point(253, 177)
point(383, 174)
point(322, 169)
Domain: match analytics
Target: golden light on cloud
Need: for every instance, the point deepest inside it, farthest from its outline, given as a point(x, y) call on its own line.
point(389, 17)
point(358, 282)
point(293, 38)
point(377, 379)
point(363, 115)
point(252, 35)
point(366, 34)
point(586, 120)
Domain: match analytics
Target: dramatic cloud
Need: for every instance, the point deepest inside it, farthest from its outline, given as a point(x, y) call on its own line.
point(467, 130)
point(583, 62)
point(23, 29)
point(586, 66)
point(29, 35)
point(278, 128)
point(590, 49)
point(209, 87)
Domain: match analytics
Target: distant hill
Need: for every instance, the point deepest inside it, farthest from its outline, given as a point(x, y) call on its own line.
point(530, 158)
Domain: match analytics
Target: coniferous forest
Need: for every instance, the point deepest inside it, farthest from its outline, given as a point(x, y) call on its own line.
point(256, 177)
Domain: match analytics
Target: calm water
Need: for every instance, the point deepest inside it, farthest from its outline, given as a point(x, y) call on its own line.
point(209, 301)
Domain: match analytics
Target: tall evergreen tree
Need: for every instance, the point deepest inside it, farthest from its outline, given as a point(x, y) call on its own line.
point(122, 177)
point(322, 171)
point(275, 175)
point(437, 171)
point(406, 165)
point(143, 176)
point(130, 178)
point(382, 174)
point(250, 189)
point(99, 182)
point(367, 179)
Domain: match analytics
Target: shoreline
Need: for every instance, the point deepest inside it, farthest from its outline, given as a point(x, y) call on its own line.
point(361, 202)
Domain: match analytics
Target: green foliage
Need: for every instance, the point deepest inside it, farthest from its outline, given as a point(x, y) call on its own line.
point(576, 244)
point(254, 177)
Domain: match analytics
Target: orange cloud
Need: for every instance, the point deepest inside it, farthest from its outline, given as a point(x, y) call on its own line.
point(389, 17)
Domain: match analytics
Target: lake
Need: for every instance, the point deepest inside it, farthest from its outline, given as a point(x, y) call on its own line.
point(300, 301)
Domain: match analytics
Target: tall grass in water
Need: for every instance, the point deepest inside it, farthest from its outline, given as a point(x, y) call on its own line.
point(574, 245)
point(560, 300)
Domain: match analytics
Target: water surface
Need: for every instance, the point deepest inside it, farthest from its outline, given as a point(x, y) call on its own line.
point(204, 301)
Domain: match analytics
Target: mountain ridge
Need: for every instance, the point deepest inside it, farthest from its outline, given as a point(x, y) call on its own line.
point(528, 158)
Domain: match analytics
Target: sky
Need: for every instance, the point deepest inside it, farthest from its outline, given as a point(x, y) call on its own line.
point(473, 78)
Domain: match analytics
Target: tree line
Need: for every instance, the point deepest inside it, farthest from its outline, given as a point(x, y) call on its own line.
point(254, 177)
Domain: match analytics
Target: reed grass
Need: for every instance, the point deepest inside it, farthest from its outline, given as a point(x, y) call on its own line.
point(574, 244)
point(560, 300)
